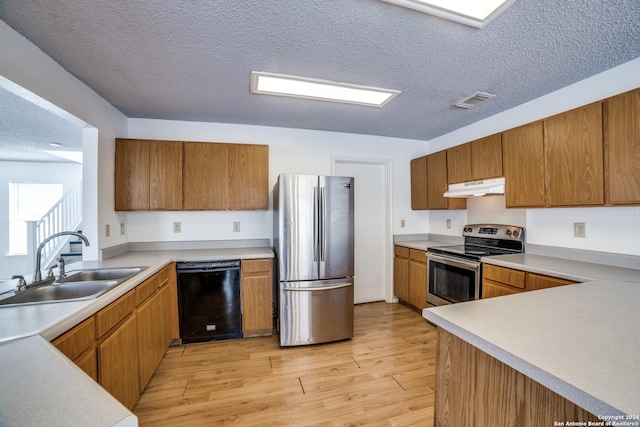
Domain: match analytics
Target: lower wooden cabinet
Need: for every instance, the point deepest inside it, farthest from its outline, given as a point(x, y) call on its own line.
point(154, 332)
point(401, 273)
point(256, 286)
point(476, 389)
point(499, 281)
point(118, 363)
point(78, 345)
point(410, 276)
point(122, 345)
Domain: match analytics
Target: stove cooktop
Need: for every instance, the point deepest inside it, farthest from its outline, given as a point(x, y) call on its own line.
point(468, 251)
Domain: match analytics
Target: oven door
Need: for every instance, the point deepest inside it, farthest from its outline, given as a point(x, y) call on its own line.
point(452, 280)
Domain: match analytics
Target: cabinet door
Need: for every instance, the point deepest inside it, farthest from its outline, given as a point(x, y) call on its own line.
point(437, 180)
point(257, 317)
point(574, 157)
point(131, 175)
point(165, 175)
point(418, 278)
point(205, 176)
point(401, 273)
point(248, 177)
point(118, 363)
point(523, 161)
point(623, 147)
point(538, 281)
point(151, 331)
point(419, 184)
point(492, 289)
point(486, 157)
point(459, 164)
point(257, 310)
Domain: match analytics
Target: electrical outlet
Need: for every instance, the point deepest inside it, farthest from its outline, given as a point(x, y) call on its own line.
point(107, 230)
point(402, 223)
point(448, 223)
point(579, 229)
point(177, 227)
point(236, 226)
point(122, 228)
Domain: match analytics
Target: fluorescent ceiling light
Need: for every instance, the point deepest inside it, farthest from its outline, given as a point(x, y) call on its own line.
point(476, 13)
point(325, 90)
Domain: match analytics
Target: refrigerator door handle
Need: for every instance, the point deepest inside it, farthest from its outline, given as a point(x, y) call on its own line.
point(319, 288)
point(316, 220)
point(323, 216)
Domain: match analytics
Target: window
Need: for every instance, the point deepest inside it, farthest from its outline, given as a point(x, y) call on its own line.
point(28, 202)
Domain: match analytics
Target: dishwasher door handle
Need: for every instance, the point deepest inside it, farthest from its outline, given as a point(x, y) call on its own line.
point(319, 288)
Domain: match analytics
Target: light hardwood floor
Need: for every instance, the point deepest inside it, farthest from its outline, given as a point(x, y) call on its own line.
point(384, 376)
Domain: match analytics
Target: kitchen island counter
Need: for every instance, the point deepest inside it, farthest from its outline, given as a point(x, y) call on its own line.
point(579, 341)
point(577, 271)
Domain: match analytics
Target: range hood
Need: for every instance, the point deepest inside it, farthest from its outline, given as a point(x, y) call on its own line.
point(476, 188)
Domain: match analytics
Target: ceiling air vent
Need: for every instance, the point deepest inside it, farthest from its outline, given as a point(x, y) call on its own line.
point(474, 99)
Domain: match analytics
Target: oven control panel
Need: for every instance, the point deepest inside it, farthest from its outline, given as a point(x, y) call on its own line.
point(494, 231)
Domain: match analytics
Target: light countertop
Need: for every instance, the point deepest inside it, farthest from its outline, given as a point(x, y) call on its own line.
point(43, 387)
point(577, 271)
point(581, 341)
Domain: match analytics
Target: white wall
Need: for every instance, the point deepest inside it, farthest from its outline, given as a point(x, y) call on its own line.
point(28, 67)
point(67, 174)
point(290, 151)
point(614, 230)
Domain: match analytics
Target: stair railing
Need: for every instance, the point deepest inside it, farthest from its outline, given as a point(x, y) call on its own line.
point(65, 215)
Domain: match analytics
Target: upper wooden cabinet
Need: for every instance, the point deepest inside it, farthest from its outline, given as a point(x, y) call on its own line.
point(574, 157)
point(523, 160)
point(206, 178)
point(148, 175)
point(429, 183)
point(459, 164)
point(171, 175)
point(476, 160)
point(419, 191)
point(623, 145)
point(248, 177)
point(486, 157)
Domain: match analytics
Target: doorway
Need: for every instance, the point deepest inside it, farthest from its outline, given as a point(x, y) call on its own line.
point(371, 205)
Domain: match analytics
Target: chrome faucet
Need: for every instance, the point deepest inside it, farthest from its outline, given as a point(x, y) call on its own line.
point(37, 276)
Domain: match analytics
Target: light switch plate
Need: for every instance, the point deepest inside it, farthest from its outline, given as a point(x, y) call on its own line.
point(107, 230)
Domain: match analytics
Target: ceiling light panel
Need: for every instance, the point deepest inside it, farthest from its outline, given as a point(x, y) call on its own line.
point(476, 13)
point(325, 90)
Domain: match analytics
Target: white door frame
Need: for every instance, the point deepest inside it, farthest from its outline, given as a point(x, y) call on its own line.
point(388, 236)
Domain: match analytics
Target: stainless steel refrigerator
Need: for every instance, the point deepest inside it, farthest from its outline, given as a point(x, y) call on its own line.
point(313, 239)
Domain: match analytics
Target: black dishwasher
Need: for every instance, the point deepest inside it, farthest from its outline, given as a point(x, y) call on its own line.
point(209, 300)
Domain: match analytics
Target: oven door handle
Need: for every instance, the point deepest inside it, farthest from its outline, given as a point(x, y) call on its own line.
point(456, 262)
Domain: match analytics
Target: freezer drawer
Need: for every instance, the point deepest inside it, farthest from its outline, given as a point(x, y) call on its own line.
point(315, 312)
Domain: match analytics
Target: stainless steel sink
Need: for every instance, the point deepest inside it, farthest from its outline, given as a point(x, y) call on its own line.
point(61, 292)
point(80, 285)
point(98, 274)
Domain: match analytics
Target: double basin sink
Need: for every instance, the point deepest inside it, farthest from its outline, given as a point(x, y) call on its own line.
point(77, 286)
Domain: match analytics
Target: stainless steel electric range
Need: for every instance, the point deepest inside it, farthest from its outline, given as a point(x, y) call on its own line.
point(455, 272)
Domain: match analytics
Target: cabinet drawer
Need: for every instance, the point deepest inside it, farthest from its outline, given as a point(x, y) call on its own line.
point(493, 289)
point(145, 289)
point(538, 281)
point(109, 316)
point(402, 251)
point(503, 275)
point(256, 266)
point(77, 340)
point(418, 255)
point(149, 286)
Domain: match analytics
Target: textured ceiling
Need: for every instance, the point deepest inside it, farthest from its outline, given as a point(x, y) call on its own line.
point(192, 59)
